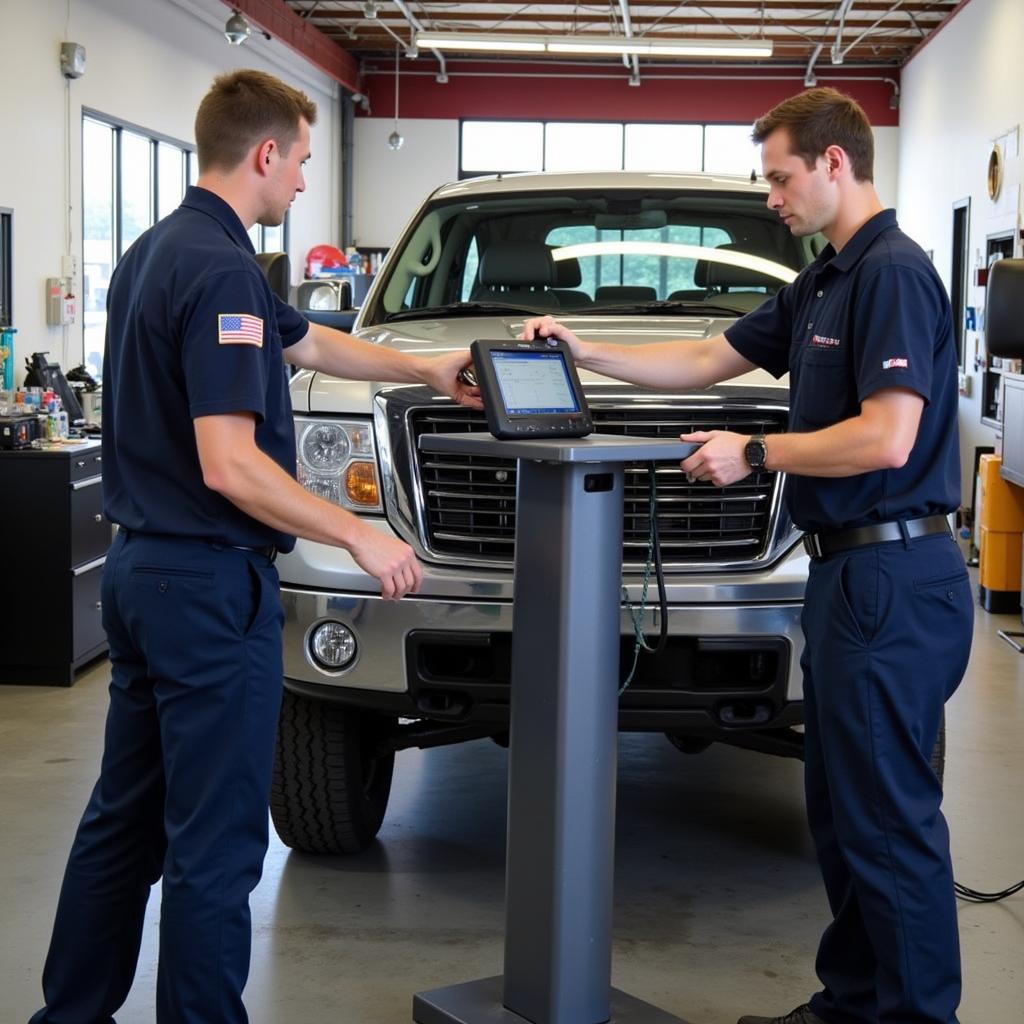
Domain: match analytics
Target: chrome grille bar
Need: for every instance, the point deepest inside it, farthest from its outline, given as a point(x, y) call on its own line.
point(468, 502)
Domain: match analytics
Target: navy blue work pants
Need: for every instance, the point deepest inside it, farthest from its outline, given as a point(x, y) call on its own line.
point(888, 630)
point(195, 650)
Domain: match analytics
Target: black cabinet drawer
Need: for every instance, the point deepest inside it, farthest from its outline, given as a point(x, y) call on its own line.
point(85, 464)
point(89, 528)
point(86, 622)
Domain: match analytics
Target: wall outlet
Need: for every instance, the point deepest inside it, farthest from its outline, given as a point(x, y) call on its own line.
point(68, 265)
point(963, 383)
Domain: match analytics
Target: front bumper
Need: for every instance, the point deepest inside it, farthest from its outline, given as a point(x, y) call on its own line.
point(732, 660)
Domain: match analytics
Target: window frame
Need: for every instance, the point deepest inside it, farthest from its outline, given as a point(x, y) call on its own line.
point(545, 122)
point(6, 266)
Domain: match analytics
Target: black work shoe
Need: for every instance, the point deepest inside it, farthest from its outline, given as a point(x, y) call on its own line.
point(801, 1015)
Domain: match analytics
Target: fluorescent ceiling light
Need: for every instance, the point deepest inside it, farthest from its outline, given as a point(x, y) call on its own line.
point(663, 47)
point(639, 46)
point(490, 44)
point(679, 250)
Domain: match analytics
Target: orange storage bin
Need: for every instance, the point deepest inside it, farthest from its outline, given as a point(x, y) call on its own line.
point(1002, 504)
point(1000, 560)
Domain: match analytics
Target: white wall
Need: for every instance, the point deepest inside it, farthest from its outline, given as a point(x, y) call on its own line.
point(148, 62)
point(887, 159)
point(963, 90)
point(389, 185)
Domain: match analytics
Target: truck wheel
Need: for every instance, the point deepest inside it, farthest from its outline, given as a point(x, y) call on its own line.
point(330, 786)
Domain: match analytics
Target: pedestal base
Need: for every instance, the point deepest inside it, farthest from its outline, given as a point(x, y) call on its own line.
point(479, 1002)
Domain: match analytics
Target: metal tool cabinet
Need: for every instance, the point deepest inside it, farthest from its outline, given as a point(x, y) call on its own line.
point(54, 543)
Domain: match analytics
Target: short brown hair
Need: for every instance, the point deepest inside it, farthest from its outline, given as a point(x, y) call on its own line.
point(243, 107)
point(817, 119)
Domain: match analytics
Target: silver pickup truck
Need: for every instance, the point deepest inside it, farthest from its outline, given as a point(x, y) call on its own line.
point(627, 257)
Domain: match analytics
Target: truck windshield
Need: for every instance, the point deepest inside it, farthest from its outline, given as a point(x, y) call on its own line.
point(589, 252)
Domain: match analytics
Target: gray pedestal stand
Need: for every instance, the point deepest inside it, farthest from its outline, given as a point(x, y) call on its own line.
point(564, 732)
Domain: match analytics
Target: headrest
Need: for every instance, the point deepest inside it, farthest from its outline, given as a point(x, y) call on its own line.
point(1004, 311)
point(625, 293)
point(517, 265)
point(568, 273)
point(709, 274)
point(277, 271)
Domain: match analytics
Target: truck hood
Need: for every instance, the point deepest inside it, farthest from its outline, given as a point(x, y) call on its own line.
point(321, 393)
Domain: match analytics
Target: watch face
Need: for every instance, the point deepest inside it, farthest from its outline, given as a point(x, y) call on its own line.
point(754, 452)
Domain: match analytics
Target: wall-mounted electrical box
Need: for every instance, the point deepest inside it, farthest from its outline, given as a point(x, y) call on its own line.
point(60, 301)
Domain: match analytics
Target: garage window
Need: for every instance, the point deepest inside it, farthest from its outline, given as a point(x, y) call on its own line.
point(131, 177)
point(503, 147)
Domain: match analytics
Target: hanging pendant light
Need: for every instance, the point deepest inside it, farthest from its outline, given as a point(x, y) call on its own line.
point(395, 139)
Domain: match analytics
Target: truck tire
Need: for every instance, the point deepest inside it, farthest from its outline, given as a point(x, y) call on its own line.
point(330, 787)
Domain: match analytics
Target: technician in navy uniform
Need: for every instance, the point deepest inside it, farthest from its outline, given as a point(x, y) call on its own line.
point(199, 473)
point(866, 335)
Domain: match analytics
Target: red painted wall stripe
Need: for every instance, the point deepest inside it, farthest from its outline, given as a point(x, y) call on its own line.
point(722, 94)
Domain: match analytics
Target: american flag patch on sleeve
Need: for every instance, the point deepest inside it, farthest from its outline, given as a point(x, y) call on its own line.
point(239, 329)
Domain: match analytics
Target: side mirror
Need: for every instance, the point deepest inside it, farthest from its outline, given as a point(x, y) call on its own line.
point(1004, 312)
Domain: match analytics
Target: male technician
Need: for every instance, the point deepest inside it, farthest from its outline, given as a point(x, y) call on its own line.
point(866, 335)
point(199, 473)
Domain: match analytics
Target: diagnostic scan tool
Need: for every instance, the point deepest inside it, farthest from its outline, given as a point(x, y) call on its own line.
point(530, 389)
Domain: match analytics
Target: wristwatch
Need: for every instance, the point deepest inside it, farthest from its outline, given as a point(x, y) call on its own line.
point(755, 452)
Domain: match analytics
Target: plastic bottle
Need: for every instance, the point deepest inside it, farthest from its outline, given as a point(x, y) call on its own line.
point(7, 350)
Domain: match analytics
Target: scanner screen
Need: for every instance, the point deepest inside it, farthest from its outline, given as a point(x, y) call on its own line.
point(534, 383)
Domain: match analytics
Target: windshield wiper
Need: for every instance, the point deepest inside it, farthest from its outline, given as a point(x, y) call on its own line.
point(460, 309)
point(688, 308)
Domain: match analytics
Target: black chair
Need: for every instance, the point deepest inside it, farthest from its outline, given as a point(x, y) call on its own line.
point(519, 273)
point(277, 270)
point(625, 293)
point(568, 278)
point(745, 287)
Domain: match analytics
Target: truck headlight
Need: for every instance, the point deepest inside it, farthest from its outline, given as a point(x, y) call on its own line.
point(336, 460)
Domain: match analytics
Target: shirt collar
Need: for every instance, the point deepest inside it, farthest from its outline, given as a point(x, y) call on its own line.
point(212, 205)
point(855, 248)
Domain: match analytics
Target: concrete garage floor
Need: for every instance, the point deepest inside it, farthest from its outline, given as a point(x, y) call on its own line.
point(718, 903)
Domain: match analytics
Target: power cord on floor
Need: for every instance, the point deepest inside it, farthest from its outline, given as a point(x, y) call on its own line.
point(636, 612)
point(640, 644)
point(973, 896)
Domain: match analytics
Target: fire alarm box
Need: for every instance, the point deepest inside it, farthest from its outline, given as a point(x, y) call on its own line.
point(61, 305)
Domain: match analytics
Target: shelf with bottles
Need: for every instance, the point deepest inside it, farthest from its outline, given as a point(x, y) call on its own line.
point(373, 257)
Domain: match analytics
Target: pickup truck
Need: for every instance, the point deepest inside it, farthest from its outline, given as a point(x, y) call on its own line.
point(623, 256)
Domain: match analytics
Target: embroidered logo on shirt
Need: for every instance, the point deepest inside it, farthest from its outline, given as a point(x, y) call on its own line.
point(239, 329)
point(895, 364)
point(820, 341)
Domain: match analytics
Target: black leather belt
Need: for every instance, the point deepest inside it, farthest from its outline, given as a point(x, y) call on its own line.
point(267, 552)
point(820, 545)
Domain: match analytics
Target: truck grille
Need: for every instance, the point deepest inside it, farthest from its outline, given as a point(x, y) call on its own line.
point(469, 501)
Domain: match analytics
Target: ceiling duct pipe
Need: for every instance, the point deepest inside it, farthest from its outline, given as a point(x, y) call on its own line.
point(414, 24)
point(631, 61)
point(837, 45)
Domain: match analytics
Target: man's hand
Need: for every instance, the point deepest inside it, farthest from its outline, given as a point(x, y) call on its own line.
point(720, 458)
point(388, 559)
point(442, 374)
point(546, 327)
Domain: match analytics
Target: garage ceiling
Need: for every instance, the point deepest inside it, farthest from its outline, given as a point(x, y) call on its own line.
point(851, 32)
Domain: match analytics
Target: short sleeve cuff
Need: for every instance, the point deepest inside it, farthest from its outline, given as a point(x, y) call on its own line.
point(296, 334)
point(889, 379)
point(250, 403)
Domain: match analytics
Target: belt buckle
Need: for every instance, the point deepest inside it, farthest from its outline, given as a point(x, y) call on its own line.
point(812, 545)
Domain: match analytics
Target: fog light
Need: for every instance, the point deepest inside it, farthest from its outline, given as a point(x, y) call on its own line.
point(333, 645)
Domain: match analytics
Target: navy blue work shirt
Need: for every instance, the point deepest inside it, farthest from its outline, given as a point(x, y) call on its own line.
point(193, 329)
point(874, 315)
